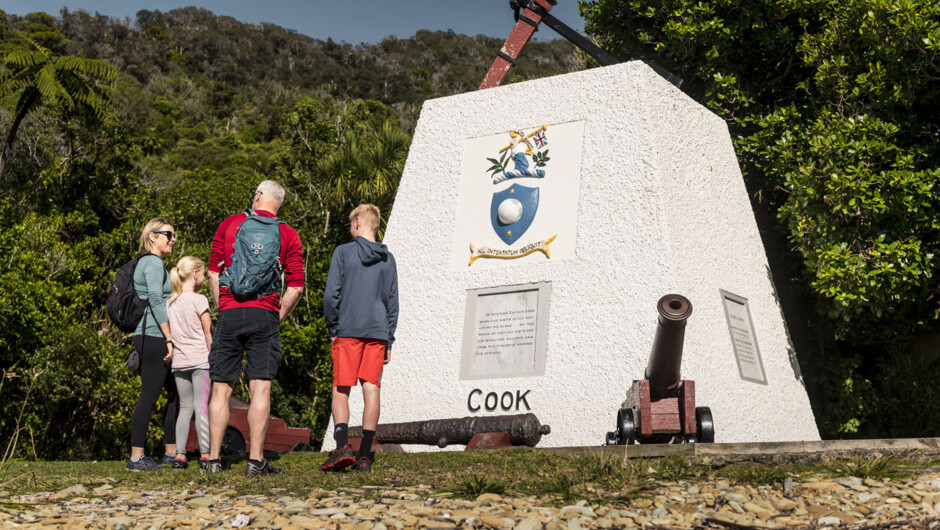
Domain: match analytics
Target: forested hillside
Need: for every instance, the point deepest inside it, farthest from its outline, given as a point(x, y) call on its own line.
point(232, 57)
point(108, 123)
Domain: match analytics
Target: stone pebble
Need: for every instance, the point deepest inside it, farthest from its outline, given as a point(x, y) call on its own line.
point(816, 502)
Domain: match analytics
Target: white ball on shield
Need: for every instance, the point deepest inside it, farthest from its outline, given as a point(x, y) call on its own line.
point(509, 211)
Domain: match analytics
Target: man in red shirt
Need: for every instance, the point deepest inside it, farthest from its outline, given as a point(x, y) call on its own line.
point(251, 325)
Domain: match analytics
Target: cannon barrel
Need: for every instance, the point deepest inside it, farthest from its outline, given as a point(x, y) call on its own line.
point(523, 429)
point(664, 368)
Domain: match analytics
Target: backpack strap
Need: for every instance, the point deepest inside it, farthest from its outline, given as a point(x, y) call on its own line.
point(143, 334)
point(249, 212)
point(136, 262)
point(145, 254)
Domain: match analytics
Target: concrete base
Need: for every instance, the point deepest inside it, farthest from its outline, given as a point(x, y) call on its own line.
point(918, 446)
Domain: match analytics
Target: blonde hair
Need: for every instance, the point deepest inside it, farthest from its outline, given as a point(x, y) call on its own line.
point(152, 226)
point(369, 215)
point(184, 270)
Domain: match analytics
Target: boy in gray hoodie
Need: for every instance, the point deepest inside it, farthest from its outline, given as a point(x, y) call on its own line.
point(360, 307)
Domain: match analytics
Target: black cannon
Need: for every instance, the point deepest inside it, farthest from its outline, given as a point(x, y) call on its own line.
point(661, 408)
point(523, 429)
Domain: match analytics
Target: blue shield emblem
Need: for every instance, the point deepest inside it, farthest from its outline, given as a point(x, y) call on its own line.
point(513, 210)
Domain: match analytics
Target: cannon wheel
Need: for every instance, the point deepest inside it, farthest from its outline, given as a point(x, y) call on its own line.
point(705, 428)
point(233, 443)
point(626, 431)
point(301, 447)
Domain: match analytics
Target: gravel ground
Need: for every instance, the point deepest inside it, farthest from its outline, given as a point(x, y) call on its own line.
point(821, 503)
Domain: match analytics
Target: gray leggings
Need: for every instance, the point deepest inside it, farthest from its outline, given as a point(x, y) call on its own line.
point(193, 387)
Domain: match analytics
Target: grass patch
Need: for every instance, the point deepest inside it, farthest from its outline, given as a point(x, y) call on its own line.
point(514, 472)
point(16, 505)
point(676, 468)
point(564, 487)
point(553, 478)
point(477, 485)
point(756, 474)
point(873, 467)
point(599, 478)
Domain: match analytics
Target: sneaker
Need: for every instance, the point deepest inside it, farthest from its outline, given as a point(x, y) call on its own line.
point(214, 466)
point(144, 464)
point(262, 468)
point(167, 459)
point(203, 464)
point(339, 459)
point(363, 465)
point(179, 463)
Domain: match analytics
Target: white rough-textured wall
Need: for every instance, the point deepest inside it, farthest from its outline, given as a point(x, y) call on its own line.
point(662, 208)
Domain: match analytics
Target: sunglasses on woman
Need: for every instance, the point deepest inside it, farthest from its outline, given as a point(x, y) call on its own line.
point(169, 235)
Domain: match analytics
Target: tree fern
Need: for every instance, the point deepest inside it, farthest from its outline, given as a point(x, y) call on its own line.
point(42, 78)
point(26, 58)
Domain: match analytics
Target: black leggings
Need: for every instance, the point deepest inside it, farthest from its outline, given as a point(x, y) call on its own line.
point(155, 375)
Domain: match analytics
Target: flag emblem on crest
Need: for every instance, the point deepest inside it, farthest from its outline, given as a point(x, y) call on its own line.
point(541, 140)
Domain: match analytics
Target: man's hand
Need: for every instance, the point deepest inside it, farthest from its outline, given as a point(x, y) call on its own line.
point(169, 352)
point(388, 355)
point(214, 287)
point(289, 301)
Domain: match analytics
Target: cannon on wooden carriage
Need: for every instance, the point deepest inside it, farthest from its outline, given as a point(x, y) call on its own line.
point(476, 432)
point(661, 407)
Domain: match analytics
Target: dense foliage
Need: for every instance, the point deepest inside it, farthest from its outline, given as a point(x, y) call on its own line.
point(832, 107)
point(181, 114)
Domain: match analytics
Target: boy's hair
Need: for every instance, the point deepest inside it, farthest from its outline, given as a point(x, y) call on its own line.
point(184, 270)
point(368, 214)
point(152, 226)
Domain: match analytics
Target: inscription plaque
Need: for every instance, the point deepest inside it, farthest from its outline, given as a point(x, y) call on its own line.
point(743, 338)
point(504, 332)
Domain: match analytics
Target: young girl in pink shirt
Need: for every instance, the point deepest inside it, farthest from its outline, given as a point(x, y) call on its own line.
point(188, 313)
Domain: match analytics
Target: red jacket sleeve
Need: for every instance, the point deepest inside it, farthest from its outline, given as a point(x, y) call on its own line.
point(292, 256)
point(217, 255)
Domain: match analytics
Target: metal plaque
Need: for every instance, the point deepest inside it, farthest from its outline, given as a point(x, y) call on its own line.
point(505, 332)
point(743, 338)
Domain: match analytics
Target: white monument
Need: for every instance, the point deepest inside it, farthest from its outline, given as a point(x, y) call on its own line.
point(535, 227)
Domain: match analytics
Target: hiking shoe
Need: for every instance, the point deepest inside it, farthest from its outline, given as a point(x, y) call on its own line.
point(203, 464)
point(261, 468)
point(144, 464)
point(179, 463)
point(214, 466)
point(363, 465)
point(339, 459)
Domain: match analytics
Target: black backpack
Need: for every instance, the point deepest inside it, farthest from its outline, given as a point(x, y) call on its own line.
point(124, 306)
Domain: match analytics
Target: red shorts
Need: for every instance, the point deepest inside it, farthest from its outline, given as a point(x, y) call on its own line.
point(357, 360)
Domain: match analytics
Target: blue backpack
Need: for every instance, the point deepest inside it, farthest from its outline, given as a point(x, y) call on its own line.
point(255, 271)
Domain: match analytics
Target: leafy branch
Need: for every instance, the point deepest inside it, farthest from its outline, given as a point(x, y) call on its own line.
point(499, 166)
point(540, 158)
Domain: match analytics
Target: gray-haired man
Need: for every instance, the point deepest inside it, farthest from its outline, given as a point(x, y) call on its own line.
point(250, 322)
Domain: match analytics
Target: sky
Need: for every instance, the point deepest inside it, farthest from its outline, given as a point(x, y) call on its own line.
point(351, 21)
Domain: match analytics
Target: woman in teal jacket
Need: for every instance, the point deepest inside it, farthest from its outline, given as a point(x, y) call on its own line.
point(152, 341)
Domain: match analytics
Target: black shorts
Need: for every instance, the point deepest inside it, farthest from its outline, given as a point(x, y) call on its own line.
point(252, 330)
